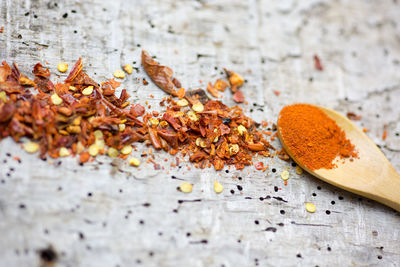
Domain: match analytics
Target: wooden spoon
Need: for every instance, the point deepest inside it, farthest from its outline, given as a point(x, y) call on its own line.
point(371, 175)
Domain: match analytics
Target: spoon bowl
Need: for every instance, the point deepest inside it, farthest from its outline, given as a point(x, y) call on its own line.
point(371, 175)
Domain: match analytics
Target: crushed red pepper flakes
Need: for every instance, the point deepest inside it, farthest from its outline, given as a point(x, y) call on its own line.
point(353, 116)
point(276, 92)
point(75, 120)
point(259, 166)
point(2, 29)
point(384, 135)
point(317, 63)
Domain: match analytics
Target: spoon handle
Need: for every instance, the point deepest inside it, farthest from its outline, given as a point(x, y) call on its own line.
point(388, 189)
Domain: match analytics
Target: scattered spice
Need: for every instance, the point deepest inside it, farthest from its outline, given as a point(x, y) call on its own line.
point(2, 29)
point(82, 117)
point(317, 63)
point(276, 92)
point(310, 207)
point(312, 137)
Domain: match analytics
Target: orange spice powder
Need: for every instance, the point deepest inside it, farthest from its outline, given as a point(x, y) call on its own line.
point(312, 137)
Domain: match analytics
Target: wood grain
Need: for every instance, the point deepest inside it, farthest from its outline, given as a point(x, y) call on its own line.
point(96, 215)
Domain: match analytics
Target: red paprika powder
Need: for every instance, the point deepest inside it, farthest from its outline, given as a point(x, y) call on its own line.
point(312, 137)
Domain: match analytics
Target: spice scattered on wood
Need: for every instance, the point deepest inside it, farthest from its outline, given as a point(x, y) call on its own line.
point(314, 138)
point(81, 117)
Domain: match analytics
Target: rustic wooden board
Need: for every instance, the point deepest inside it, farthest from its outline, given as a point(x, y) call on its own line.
point(95, 215)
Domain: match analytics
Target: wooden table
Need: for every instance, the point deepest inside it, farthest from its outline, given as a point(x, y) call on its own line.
point(109, 214)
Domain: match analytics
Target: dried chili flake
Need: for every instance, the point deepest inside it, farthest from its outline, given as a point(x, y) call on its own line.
point(238, 97)
point(353, 116)
point(259, 166)
point(161, 75)
point(384, 135)
point(317, 63)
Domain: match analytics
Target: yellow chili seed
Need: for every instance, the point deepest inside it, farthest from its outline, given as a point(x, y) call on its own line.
point(112, 152)
point(31, 147)
point(186, 187)
point(100, 143)
point(192, 116)
point(126, 150)
point(218, 188)
point(72, 88)
point(98, 134)
point(93, 150)
point(128, 68)
point(299, 170)
point(121, 127)
point(55, 99)
point(62, 67)
point(88, 90)
point(77, 121)
point(198, 107)
point(182, 102)
point(285, 175)
point(233, 149)
point(134, 162)
point(163, 124)
point(241, 129)
point(154, 121)
point(79, 147)
point(3, 96)
point(119, 74)
point(310, 207)
point(64, 152)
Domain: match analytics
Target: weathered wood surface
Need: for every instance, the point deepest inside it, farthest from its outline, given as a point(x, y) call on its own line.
point(94, 215)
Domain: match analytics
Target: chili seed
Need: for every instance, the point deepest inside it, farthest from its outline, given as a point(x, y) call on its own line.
point(128, 68)
point(31, 147)
point(88, 90)
point(62, 67)
point(119, 74)
point(310, 207)
point(186, 187)
point(218, 188)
